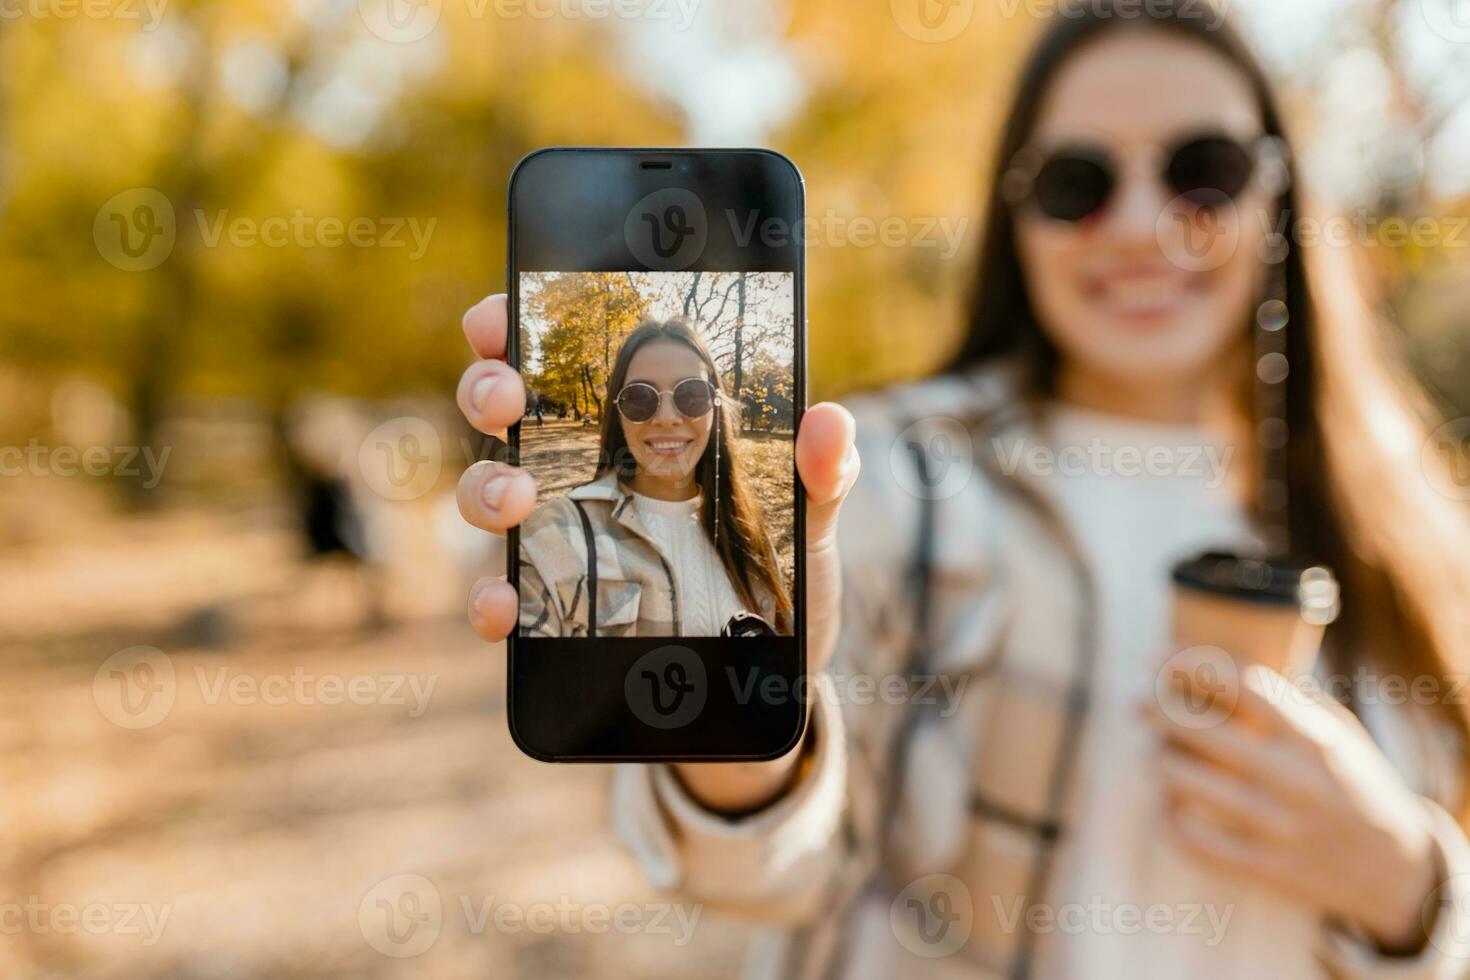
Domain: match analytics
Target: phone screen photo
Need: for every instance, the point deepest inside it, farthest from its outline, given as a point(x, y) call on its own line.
point(657, 321)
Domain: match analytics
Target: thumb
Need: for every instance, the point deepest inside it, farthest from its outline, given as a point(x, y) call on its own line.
point(828, 463)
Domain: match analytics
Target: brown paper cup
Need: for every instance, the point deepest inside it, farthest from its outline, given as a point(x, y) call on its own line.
point(1260, 612)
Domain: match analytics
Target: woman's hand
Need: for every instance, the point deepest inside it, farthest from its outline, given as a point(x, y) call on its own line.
point(496, 497)
point(1290, 790)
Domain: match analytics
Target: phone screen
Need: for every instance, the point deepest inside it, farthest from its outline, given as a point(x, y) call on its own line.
point(657, 310)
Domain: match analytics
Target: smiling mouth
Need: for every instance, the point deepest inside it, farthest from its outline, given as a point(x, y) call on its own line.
point(667, 447)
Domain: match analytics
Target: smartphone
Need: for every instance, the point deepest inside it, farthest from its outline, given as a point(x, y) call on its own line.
point(657, 317)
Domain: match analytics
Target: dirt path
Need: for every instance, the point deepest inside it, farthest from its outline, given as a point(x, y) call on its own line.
point(267, 818)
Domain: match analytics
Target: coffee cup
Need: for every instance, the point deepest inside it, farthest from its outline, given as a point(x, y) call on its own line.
point(1259, 611)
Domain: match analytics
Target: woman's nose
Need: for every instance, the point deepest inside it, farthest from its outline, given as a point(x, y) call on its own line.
point(1138, 204)
point(667, 414)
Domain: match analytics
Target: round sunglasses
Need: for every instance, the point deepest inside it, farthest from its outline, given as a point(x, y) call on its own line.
point(693, 397)
point(1075, 181)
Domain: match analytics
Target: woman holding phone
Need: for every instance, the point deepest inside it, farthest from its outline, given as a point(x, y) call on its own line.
point(682, 548)
point(1015, 825)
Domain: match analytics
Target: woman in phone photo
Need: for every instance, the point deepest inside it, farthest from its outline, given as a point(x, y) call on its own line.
point(1045, 801)
point(681, 546)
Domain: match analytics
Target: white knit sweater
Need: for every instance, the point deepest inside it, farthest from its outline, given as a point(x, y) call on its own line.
point(707, 600)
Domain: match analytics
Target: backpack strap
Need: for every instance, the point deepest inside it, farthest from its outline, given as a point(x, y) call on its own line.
point(591, 568)
point(916, 663)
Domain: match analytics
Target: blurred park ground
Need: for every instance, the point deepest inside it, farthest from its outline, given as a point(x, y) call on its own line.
point(236, 240)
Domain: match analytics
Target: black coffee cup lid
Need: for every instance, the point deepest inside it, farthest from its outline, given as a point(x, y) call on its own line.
point(1271, 582)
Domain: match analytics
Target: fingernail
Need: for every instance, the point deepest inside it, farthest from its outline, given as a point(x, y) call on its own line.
point(478, 598)
point(481, 391)
point(494, 490)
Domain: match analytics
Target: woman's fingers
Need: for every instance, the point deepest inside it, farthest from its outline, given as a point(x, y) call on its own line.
point(496, 497)
point(493, 608)
point(1236, 803)
point(485, 327)
point(491, 395)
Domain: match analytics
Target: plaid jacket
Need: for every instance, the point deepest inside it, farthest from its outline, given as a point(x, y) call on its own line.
point(903, 801)
point(637, 591)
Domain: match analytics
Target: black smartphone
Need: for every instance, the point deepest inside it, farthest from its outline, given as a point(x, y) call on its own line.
point(657, 316)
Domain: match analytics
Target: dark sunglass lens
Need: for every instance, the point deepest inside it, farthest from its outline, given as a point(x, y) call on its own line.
point(638, 403)
point(693, 398)
point(1069, 186)
point(1206, 169)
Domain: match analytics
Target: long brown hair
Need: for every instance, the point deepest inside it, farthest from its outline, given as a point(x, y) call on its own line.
point(1362, 500)
point(743, 544)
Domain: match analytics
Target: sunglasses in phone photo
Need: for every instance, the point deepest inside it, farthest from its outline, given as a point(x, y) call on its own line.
point(694, 398)
point(1075, 181)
